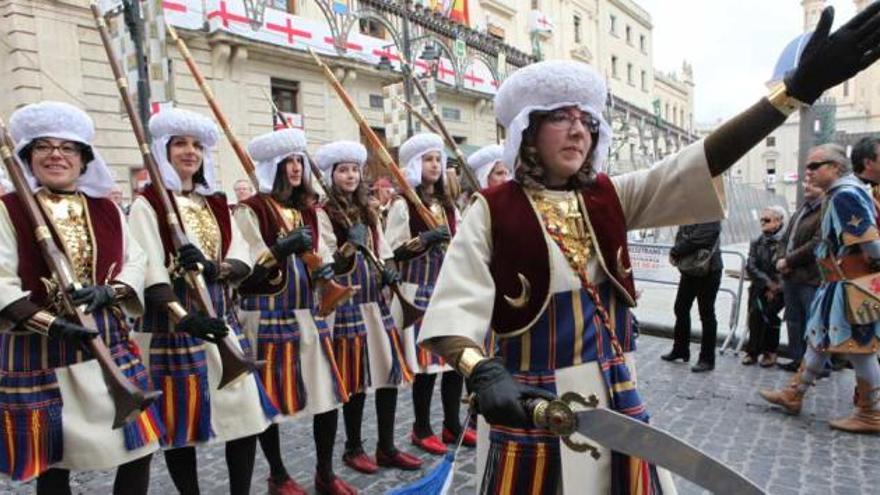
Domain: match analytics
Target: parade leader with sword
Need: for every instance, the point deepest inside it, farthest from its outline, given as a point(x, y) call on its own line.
point(543, 261)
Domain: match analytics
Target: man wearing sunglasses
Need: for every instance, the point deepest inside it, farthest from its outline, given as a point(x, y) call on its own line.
point(849, 256)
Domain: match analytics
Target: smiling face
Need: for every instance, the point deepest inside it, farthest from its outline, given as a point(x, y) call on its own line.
point(185, 153)
point(499, 175)
point(347, 177)
point(293, 168)
point(564, 141)
point(56, 163)
point(432, 167)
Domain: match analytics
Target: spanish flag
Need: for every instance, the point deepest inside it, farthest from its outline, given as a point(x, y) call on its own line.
point(459, 12)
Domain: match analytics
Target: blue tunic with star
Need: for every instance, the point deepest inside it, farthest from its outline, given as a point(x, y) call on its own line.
point(848, 219)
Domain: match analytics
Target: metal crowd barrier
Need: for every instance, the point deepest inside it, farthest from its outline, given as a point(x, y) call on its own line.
point(736, 295)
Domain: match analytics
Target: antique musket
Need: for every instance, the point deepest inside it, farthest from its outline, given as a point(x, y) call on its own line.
point(411, 313)
point(439, 125)
point(128, 399)
point(572, 413)
point(333, 293)
point(234, 363)
point(376, 144)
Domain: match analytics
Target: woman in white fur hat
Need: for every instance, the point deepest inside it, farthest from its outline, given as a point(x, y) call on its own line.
point(368, 347)
point(178, 340)
point(280, 308)
point(543, 259)
point(419, 252)
point(488, 165)
point(57, 413)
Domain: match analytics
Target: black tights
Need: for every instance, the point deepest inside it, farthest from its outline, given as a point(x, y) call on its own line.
point(451, 386)
point(239, 461)
point(353, 413)
point(131, 478)
point(324, 431)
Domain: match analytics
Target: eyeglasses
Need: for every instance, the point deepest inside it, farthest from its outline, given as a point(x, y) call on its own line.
point(67, 149)
point(564, 121)
point(766, 220)
point(817, 165)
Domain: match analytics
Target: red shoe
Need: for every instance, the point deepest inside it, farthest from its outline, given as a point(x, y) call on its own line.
point(286, 487)
point(333, 487)
point(398, 459)
point(430, 444)
point(360, 461)
point(469, 440)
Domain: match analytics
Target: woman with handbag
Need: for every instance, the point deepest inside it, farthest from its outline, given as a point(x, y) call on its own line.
point(696, 254)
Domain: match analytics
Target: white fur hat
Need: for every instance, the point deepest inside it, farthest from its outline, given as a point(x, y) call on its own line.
point(411, 152)
point(272, 148)
point(54, 119)
point(546, 86)
point(483, 161)
point(339, 152)
point(179, 122)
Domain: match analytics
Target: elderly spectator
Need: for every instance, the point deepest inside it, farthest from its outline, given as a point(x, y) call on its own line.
point(383, 191)
point(800, 274)
point(765, 292)
point(696, 241)
point(243, 189)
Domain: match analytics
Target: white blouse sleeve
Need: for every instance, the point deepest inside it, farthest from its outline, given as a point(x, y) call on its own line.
point(397, 226)
point(677, 191)
point(465, 292)
point(144, 226)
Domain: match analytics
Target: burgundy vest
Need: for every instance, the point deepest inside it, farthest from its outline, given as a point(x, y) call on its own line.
point(267, 219)
point(216, 203)
point(106, 227)
point(342, 234)
point(417, 225)
point(519, 247)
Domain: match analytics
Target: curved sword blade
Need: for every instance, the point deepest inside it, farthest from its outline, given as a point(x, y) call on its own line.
point(632, 437)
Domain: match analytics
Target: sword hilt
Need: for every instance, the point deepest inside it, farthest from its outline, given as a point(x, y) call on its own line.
point(559, 418)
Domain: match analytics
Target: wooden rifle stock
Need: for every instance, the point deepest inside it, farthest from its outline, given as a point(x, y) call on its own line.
point(128, 399)
point(235, 364)
point(474, 183)
point(411, 313)
point(376, 144)
point(333, 293)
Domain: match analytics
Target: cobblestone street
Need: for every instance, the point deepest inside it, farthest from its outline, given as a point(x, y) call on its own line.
point(719, 412)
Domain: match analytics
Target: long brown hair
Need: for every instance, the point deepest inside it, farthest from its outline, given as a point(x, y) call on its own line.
point(531, 173)
point(358, 209)
point(299, 197)
point(440, 195)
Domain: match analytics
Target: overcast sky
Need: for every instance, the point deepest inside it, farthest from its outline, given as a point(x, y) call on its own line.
point(732, 45)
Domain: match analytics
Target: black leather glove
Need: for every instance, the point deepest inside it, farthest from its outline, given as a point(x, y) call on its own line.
point(297, 242)
point(827, 61)
point(192, 257)
point(434, 236)
point(203, 327)
point(500, 398)
point(63, 329)
point(357, 234)
point(94, 297)
point(323, 272)
point(389, 276)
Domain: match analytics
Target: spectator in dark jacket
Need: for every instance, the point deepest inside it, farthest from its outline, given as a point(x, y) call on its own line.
point(688, 241)
point(765, 291)
point(800, 273)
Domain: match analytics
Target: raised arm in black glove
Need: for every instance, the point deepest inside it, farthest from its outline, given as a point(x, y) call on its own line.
point(500, 398)
point(192, 257)
point(389, 276)
point(829, 60)
point(430, 237)
point(203, 327)
point(296, 242)
point(94, 297)
point(63, 329)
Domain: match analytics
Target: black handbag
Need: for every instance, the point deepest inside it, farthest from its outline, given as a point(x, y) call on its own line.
point(697, 263)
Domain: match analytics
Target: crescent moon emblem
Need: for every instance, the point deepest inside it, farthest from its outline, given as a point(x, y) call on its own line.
point(525, 294)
